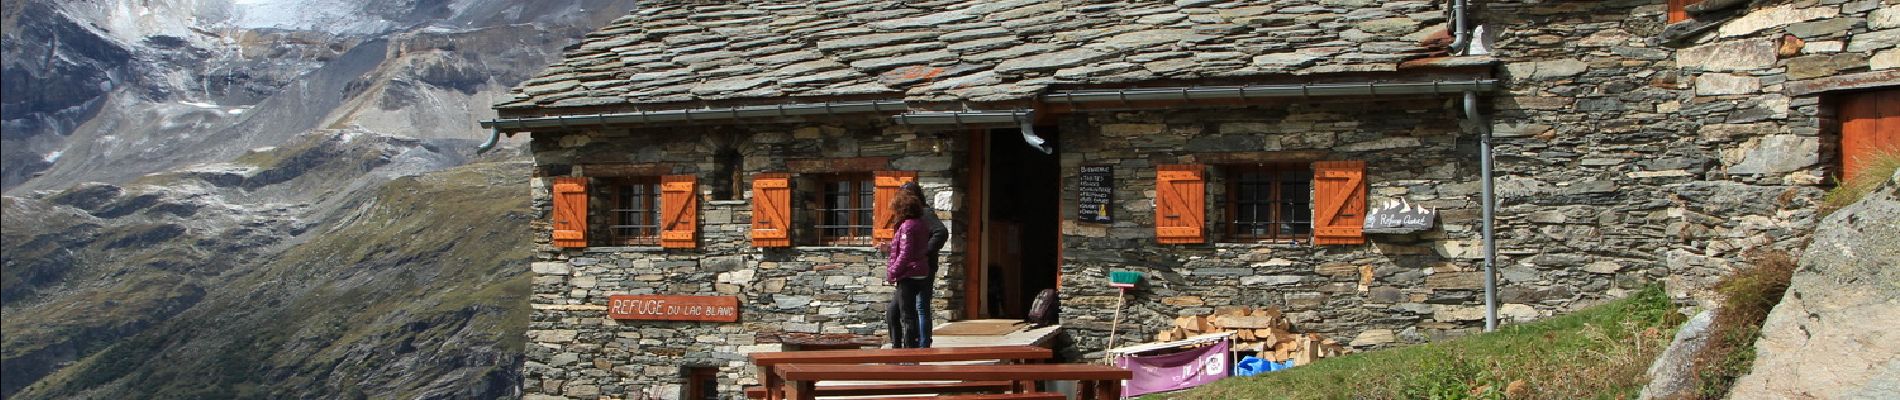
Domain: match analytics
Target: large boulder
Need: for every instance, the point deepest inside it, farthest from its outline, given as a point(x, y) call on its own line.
point(1833, 336)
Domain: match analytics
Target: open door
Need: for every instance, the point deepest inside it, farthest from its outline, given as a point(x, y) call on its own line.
point(1018, 190)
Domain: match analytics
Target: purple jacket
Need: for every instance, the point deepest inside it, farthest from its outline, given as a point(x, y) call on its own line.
point(910, 247)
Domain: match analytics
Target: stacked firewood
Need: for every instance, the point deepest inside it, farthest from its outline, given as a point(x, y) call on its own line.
point(1261, 330)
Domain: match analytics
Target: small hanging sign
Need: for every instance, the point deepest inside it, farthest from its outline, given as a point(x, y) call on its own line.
point(1399, 216)
point(674, 308)
point(1096, 192)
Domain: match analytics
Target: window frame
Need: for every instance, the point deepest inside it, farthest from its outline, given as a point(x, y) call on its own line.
point(862, 221)
point(613, 215)
point(1277, 175)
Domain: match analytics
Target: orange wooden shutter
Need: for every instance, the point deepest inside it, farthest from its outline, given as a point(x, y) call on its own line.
point(570, 211)
point(771, 210)
point(680, 207)
point(888, 183)
point(1870, 125)
point(1180, 204)
point(1339, 202)
point(1678, 9)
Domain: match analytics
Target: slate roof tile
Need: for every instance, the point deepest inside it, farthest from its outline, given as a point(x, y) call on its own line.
point(675, 53)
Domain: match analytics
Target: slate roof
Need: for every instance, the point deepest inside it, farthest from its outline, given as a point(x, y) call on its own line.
point(695, 52)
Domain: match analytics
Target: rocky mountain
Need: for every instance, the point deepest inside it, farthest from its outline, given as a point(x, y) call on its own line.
point(265, 198)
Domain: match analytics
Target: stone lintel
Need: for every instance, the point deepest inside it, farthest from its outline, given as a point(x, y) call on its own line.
point(1844, 82)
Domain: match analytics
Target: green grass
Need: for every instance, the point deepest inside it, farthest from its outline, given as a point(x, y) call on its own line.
point(423, 276)
point(1878, 169)
point(1601, 352)
point(1747, 297)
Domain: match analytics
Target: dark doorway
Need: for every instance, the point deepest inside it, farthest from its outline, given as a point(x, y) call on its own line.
point(1020, 246)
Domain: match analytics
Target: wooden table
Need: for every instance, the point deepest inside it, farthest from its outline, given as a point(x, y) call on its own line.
point(1095, 382)
point(774, 387)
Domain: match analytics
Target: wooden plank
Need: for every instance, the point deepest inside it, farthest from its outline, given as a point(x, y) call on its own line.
point(1010, 396)
point(758, 392)
point(903, 355)
point(1244, 322)
point(1030, 372)
point(1040, 337)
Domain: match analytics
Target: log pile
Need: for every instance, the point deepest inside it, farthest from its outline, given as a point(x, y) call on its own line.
point(1261, 330)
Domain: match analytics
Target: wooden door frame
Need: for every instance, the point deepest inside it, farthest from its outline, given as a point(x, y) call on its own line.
point(976, 213)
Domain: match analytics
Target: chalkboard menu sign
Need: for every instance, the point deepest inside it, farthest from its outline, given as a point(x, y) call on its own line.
point(1097, 192)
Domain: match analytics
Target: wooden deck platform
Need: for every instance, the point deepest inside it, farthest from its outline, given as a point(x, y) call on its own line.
point(1039, 337)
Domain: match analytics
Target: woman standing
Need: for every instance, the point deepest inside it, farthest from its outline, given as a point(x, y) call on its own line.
point(908, 267)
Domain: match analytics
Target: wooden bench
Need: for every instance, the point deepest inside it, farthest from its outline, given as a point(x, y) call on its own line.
point(1096, 382)
point(774, 388)
point(1007, 396)
point(758, 392)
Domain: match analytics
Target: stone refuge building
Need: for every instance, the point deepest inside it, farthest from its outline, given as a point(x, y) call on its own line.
point(1227, 150)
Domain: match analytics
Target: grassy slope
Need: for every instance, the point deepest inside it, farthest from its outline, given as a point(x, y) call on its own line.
point(416, 294)
point(1600, 352)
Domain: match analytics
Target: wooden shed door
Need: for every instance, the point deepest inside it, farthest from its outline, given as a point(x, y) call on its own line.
point(1870, 125)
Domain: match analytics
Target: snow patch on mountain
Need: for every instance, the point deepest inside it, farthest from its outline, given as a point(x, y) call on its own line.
point(334, 16)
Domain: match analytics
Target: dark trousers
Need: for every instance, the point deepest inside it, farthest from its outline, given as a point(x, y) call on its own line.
point(908, 316)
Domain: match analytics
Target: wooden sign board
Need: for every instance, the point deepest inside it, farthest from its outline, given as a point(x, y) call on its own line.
point(674, 308)
point(1095, 194)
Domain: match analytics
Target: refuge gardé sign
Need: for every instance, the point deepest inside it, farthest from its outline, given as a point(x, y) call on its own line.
point(674, 308)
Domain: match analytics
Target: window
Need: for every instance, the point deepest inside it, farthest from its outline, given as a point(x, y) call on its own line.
point(727, 176)
point(633, 211)
point(844, 209)
point(702, 383)
point(1269, 202)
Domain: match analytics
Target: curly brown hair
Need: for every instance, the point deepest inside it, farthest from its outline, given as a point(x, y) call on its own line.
point(905, 206)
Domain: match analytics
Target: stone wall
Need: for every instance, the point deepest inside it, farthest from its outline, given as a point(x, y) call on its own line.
point(805, 293)
point(1398, 287)
point(1759, 83)
point(1639, 148)
point(1587, 147)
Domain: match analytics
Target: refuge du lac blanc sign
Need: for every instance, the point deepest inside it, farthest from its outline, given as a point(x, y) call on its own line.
point(674, 308)
point(1398, 216)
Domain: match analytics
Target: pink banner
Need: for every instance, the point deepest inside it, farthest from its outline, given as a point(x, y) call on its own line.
point(1176, 371)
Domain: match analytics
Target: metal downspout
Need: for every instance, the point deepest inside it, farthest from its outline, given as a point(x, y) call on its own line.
point(1027, 123)
point(494, 138)
point(1490, 209)
point(1461, 37)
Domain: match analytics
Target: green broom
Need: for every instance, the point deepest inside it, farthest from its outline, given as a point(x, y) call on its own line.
point(1123, 280)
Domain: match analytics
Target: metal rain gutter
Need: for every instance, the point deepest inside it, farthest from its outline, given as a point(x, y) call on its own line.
point(961, 117)
point(1265, 91)
point(707, 114)
point(1025, 121)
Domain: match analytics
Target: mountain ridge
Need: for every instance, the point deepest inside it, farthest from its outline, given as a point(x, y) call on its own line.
point(256, 211)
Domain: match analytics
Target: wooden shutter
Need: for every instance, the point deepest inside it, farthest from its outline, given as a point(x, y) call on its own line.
point(772, 210)
point(679, 206)
point(1180, 204)
point(887, 184)
point(570, 211)
point(1679, 9)
point(1339, 202)
point(1870, 125)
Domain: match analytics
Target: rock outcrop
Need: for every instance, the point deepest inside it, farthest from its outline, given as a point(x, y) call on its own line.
point(1832, 336)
